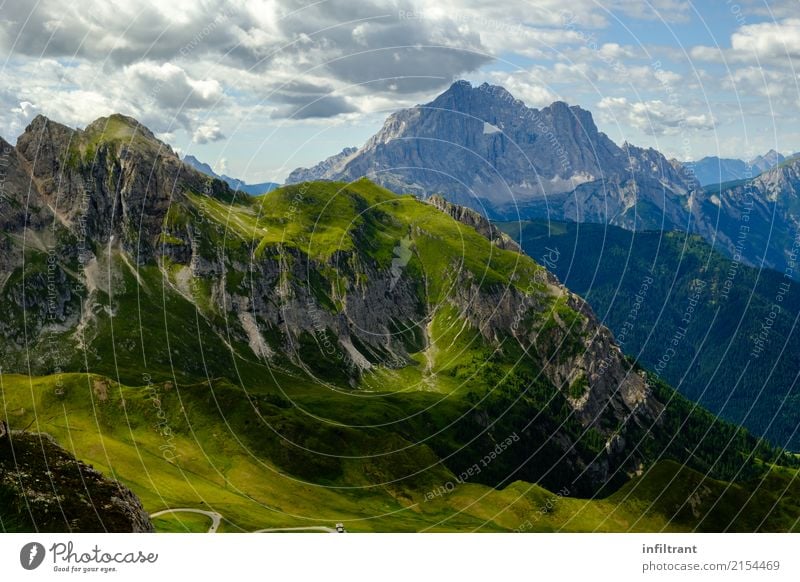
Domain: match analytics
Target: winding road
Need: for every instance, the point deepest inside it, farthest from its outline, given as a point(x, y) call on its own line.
point(307, 528)
point(216, 519)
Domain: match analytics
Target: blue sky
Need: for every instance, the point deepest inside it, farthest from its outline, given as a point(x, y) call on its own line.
point(260, 87)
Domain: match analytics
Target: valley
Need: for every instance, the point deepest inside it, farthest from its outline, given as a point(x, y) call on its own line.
point(642, 284)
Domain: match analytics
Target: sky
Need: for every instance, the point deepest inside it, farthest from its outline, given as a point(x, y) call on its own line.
point(257, 88)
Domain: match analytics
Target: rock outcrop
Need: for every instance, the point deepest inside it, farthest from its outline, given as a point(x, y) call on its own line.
point(43, 488)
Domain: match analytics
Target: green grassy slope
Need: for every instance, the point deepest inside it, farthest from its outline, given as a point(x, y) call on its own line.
point(172, 448)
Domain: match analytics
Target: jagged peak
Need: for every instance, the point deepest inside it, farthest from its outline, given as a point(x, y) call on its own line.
point(789, 165)
point(40, 121)
point(112, 128)
point(461, 93)
point(479, 100)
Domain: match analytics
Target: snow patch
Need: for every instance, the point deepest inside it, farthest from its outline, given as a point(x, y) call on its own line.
point(489, 129)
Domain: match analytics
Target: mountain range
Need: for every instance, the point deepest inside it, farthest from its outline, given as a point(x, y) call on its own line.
point(713, 170)
point(483, 148)
point(234, 183)
point(332, 351)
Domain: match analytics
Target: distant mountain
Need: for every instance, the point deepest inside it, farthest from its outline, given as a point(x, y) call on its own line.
point(755, 221)
point(329, 167)
point(251, 189)
point(767, 161)
point(713, 170)
point(481, 147)
point(694, 316)
point(200, 166)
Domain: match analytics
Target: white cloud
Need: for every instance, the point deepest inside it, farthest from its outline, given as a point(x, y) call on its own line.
point(168, 85)
point(774, 43)
point(208, 132)
point(524, 86)
point(778, 87)
point(221, 167)
point(769, 39)
point(26, 110)
point(653, 117)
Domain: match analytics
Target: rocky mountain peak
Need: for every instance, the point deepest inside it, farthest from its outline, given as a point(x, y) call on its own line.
point(481, 101)
point(484, 148)
point(41, 135)
point(112, 179)
point(765, 162)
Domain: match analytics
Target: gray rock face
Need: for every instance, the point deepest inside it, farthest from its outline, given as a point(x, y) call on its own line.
point(767, 161)
point(330, 166)
point(114, 179)
point(65, 195)
point(757, 220)
point(480, 147)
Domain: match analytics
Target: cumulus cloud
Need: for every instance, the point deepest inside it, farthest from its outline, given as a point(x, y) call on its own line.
point(176, 65)
point(165, 62)
point(769, 39)
point(775, 43)
point(306, 100)
point(778, 87)
point(169, 86)
point(526, 87)
point(119, 31)
point(165, 50)
point(25, 110)
point(653, 117)
point(207, 133)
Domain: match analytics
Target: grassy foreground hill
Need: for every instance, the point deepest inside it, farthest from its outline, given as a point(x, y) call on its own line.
point(207, 467)
point(333, 352)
